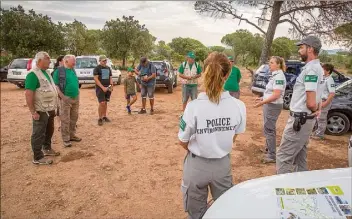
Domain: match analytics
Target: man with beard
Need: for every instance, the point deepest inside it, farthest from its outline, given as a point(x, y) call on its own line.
point(305, 106)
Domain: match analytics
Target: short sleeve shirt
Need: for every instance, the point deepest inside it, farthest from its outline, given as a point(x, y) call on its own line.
point(104, 74)
point(32, 82)
point(233, 81)
point(329, 87)
point(147, 71)
point(276, 82)
point(209, 128)
point(72, 84)
point(310, 79)
point(130, 84)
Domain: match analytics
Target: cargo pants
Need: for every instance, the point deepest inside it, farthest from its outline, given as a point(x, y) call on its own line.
point(292, 153)
point(322, 121)
point(69, 117)
point(198, 174)
point(271, 113)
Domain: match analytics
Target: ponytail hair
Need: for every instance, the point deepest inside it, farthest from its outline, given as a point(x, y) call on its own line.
point(217, 67)
point(280, 61)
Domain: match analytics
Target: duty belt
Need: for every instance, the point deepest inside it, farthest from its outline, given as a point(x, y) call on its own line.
point(301, 115)
point(300, 119)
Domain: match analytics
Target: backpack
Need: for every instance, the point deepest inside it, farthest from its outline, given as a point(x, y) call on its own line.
point(62, 77)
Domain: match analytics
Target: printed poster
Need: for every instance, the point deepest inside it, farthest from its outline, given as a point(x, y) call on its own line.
point(318, 202)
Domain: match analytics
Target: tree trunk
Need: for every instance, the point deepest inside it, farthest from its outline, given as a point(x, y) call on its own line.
point(274, 20)
point(124, 61)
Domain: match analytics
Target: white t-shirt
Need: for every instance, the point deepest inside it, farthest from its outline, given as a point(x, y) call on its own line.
point(310, 79)
point(276, 82)
point(329, 87)
point(209, 128)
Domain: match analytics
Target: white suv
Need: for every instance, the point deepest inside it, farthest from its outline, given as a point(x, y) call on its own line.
point(18, 70)
point(85, 66)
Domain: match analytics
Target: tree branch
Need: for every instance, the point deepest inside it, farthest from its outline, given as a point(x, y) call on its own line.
point(293, 24)
point(304, 8)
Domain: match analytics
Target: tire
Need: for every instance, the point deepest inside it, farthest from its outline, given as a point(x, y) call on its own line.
point(170, 88)
point(80, 85)
point(175, 81)
point(20, 85)
point(337, 124)
point(119, 81)
point(287, 99)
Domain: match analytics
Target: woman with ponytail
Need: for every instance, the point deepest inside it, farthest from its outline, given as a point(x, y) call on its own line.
point(273, 102)
point(208, 129)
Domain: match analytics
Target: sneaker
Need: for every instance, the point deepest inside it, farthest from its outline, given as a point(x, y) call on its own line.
point(76, 139)
point(51, 152)
point(143, 111)
point(268, 160)
point(105, 119)
point(43, 161)
point(152, 112)
point(100, 122)
point(128, 109)
point(67, 144)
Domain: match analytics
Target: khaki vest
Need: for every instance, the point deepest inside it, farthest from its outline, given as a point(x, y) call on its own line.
point(46, 96)
point(190, 72)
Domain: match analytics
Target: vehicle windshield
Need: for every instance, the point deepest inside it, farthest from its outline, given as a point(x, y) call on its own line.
point(86, 63)
point(345, 87)
point(159, 65)
point(19, 64)
point(263, 69)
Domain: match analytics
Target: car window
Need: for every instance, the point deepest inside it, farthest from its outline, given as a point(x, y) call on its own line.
point(263, 69)
point(19, 64)
point(346, 87)
point(291, 70)
point(159, 65)
point(86, 63)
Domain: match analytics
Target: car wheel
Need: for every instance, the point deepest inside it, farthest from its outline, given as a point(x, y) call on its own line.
point(119, 81)
point(170, 88)
point(20, 85)
point(287, 99)
point(337, 124)
point(80, 85)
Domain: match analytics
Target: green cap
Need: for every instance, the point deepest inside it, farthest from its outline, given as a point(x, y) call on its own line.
point(129, 69)
point(230, 58)
point(102, 57)
point(191, 55)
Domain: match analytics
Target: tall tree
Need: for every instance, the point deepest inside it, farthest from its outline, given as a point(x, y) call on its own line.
point(284, 47)
point(24, 34)
point(78, 38)
point(344, 34)
point(184, 45)
point(119, 37)
point(162, 50)
point(142, 45)
point(217, 48)
point(305, 17)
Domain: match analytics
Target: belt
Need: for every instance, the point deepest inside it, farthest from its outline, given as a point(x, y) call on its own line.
point(301, 114)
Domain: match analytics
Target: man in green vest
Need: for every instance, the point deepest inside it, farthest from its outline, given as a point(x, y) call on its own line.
point(41, 98)
point(189, 71)
point(232, 84)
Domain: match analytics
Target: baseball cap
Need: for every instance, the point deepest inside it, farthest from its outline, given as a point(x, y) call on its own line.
point(311, 41)
point(102, 57)
point(230, 58)
point(191, 55)
point(129, 69)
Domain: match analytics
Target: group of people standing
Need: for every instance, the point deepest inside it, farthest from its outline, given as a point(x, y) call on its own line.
point(210, 123)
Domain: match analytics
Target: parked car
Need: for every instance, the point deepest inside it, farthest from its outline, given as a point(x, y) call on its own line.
point(293, 69)
point(85, 66)
point(3, 73)
point(166, 76)
point(18, 70)
point(339, 120)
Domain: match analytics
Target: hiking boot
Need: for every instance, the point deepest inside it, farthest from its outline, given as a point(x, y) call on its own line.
point(100, 122)
point(152, 112)
point(105, 119)
point(268, 160)
point(143, 111)
point(43, 161)
point(51, 152)
point(67, 144)
point(76, 139)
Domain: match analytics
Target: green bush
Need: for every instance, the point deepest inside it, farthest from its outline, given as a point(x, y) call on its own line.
point(5, 60)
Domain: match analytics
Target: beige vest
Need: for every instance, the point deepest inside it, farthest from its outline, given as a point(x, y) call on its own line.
point(190, 72)
point(46, 96)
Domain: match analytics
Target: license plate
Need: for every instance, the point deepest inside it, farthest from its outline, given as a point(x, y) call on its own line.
point(85, 72)
point(16, 73)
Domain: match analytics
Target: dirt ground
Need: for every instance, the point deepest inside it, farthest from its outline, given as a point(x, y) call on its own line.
point(130, 168)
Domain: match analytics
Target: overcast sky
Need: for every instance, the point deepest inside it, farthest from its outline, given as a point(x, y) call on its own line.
point(164, 19)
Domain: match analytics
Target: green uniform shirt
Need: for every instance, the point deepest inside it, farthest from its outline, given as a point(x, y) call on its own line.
point(32, 81)
point(232, 82)
point(181, 69)
point(71, 88)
